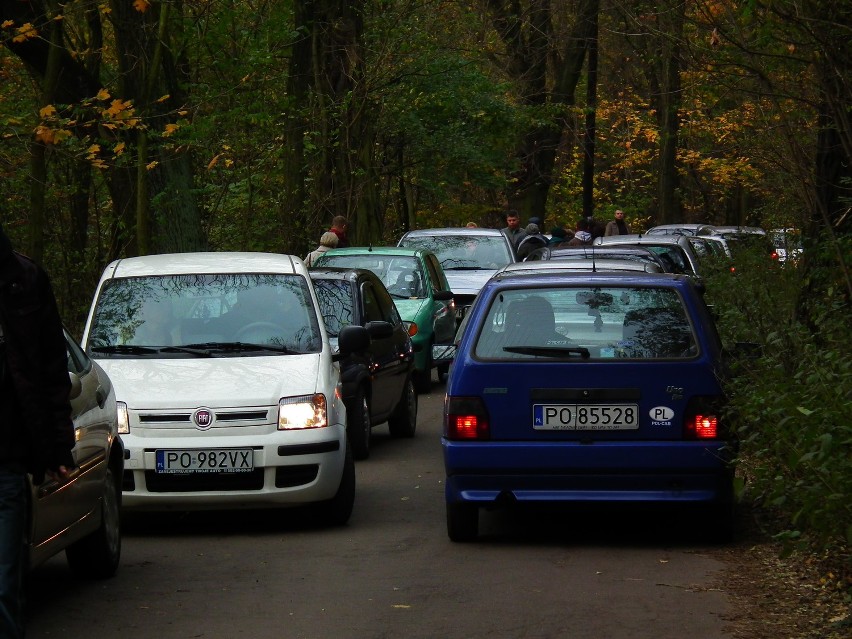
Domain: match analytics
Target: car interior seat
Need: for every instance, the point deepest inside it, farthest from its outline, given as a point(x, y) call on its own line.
point(530, 322)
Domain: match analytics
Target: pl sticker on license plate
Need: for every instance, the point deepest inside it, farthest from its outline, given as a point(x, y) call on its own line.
point(585, 416)
point(210, 460)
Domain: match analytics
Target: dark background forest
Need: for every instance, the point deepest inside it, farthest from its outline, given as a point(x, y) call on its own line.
point(130, 127)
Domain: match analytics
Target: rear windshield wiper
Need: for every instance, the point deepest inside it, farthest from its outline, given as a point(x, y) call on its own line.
point(126, 349)
point(466, 268)
point(244, 346)
point(549, 351)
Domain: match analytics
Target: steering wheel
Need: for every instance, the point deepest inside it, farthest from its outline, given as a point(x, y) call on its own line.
point(267, 327)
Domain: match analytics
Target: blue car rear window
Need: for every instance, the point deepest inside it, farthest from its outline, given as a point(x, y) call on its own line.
point(589, 323)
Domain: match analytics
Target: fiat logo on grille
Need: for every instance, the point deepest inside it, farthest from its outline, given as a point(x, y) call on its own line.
point(203, 418)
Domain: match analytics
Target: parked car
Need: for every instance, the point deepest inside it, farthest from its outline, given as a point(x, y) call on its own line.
point(82, 516)
point(599, 265)
point(594, 253)
point(377, 383)
point(586, 387)
point(469, 257)
point(788, 244)
point(675, 250)
point(746, 239)
point(419, 288)
point(226, 382)
point(688, 229)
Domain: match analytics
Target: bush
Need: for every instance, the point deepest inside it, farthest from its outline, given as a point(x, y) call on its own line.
point(789, 405)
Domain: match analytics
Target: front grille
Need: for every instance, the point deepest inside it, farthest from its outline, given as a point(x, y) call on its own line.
point(200, 482)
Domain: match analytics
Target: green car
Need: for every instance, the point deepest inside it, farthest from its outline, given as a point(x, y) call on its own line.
point(419, 288)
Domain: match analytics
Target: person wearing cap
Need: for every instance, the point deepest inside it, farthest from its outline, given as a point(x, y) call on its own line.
point(36, 431)
point(533, 239)
point(328, 241)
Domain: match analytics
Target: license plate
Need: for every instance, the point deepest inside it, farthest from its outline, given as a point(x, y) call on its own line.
point(585, 416)
point(205, 460)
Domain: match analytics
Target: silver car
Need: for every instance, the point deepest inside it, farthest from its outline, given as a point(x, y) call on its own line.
point(81, 516)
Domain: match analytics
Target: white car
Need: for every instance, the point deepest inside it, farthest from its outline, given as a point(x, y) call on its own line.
point(228, 390)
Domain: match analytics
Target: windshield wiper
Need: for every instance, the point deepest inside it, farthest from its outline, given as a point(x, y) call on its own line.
point(126, 349)
point(244, 346)
point(200, 352)
point(465, 268)
point(549, 351)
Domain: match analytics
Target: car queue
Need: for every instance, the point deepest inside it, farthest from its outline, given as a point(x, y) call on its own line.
point(247, 380)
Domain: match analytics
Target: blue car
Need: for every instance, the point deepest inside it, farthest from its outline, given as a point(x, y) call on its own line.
point(586, 387)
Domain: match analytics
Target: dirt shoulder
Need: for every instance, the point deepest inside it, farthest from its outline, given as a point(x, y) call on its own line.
point(801, 596)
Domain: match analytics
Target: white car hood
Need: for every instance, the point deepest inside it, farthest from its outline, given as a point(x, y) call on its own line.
point(468, 282)
point(187, 383)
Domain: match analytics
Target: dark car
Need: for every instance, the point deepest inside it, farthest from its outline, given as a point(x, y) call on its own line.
point(592, 253)
point(378, 383)
point(587, 387)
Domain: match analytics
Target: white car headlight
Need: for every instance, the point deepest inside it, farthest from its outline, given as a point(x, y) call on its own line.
point(123, 419)
point(305, 411)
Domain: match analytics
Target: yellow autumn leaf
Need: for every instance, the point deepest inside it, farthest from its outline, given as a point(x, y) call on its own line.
point(61, 134)
point(214, 161)
point(7, 24)
point(44, 135)
point(141, 5)
point(169, 129)
point(116, 107)
point(118, 149)
point(47, 111)
point(163, 98)
point(151, 165)
point(229, 162)
point(25, 32)
point(103, 94)
point(94, 149)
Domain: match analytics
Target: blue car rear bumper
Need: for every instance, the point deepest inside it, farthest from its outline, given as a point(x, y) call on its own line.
point(489, 472)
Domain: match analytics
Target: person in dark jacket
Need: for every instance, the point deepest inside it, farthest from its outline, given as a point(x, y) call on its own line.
point(36, 431)
point(339, 226)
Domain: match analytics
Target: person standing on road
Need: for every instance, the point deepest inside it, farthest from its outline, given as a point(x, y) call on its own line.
point(36, 431)
point(513, 229)
point(617, 226)
point(328, 241)
point(339, 226)
point(583, 234)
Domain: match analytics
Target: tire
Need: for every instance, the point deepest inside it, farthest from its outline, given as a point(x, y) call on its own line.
point(97, 555)
point(403, 421)
point(462, 522)
point(337, 510)
point(359, 425)
point(423, 379)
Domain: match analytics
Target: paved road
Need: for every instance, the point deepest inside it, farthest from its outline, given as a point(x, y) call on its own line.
point(392, 572)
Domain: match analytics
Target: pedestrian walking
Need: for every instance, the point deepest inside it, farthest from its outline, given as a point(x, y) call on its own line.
point(617, 226)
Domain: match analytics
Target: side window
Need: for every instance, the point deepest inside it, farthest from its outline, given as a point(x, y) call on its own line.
point(386, 306)
point(372, 310)
point(78, 361)
point(438, 284)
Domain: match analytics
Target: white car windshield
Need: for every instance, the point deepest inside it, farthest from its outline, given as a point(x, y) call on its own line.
point(210, 312)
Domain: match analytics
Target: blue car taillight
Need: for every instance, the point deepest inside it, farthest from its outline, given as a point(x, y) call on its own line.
point(703, 419)
point(466, 418)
